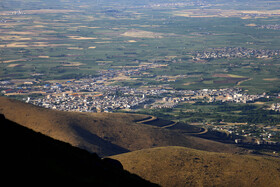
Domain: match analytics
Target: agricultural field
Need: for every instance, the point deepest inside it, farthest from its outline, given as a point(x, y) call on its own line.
point(58, 40)
point(191, 45)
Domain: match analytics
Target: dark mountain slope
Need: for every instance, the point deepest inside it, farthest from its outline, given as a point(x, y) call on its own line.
point(103, 133)
point(28, 157)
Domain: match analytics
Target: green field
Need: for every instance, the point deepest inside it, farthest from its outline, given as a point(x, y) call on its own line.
point(59, 39)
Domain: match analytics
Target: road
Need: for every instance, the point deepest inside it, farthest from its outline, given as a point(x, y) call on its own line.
point(205, 130)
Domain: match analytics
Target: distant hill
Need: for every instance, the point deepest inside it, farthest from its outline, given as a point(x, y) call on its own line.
point(179, 166)
point(32, 158)
point(103, 133)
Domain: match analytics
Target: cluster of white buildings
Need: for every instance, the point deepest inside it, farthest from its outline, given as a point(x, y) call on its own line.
point(205, 95)
point(18, 12)
point(261, 135)
point(87, 103)
point(272, 27)
point(235, 52)
point(94, 94)
point(275, 107)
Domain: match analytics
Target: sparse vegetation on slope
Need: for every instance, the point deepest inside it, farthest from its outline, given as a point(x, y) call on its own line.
point(179, 166)
point(103, 133)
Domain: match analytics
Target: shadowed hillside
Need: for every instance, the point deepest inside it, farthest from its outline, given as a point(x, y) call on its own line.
point(103, 133)
point(179, 166)
point(28, 157)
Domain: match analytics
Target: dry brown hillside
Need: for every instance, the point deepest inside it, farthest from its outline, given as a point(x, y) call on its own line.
point(179, 166)
point(103, 133)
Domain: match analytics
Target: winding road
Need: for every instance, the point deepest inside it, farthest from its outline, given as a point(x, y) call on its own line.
point(152, 118)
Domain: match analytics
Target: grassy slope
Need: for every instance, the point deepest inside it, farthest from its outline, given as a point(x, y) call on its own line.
point(179, 166)
point(105, 134)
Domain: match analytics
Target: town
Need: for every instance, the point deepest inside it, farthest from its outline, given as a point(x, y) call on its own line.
point(93, 95)
point(254, 134)
point(275, 107)
point(272, 27)
point(235, 52)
